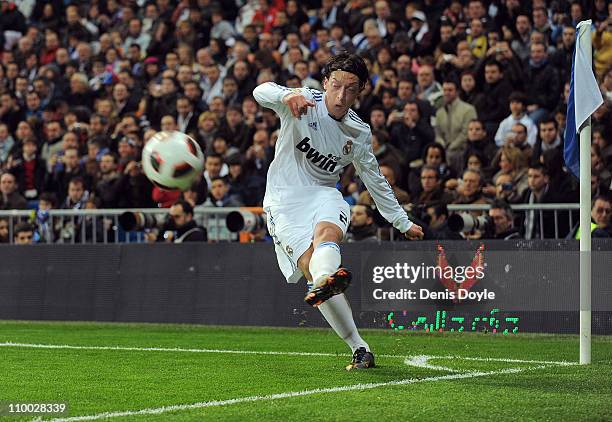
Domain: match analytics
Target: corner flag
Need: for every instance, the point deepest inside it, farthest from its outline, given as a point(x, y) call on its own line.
point(584, 97)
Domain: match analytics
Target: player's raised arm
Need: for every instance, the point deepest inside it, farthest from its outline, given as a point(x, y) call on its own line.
point(386, 202)
point(277, 97)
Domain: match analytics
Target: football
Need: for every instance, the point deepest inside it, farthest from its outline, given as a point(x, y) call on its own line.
point(172, 160)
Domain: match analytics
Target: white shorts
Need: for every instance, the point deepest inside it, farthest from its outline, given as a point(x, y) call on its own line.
point(292, 217)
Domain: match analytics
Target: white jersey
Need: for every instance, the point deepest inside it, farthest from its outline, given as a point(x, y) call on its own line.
point(313, 150)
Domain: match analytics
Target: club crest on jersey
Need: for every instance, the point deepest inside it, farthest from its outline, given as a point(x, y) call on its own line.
point(348, 147)
point(324, 162)
point(313, 125)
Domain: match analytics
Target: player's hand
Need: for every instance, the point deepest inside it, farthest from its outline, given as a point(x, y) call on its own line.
point(298, 104)
point(415, 233)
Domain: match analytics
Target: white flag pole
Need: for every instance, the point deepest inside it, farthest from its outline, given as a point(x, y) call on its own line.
point(584, 35)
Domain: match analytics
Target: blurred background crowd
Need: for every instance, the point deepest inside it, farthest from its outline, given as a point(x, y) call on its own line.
point(466, 102)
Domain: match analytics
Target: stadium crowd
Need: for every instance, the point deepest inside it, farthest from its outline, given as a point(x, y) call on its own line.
point(466, 101)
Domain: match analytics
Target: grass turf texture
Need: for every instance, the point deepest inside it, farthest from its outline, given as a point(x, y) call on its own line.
point(96, 381)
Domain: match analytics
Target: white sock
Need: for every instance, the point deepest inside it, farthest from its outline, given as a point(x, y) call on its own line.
point(338, 314)
point(325, 260)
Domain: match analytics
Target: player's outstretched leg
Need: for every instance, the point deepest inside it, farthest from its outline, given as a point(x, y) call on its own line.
point(331, 283)
point(338, 314)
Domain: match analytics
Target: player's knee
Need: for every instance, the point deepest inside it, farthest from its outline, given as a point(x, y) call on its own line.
point(328, 233)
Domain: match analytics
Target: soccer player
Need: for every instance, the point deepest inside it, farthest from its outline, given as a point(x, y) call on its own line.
point(307, 216)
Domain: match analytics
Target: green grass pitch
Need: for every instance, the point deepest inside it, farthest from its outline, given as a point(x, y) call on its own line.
point(130, 372)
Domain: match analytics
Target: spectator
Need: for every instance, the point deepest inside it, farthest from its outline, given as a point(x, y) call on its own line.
point(30, 170)
point(432, 191)
point(135, 35)
point(540, 225)
point(518, 106)
point(549, 137)
point(23, 234)
point(4, 231)
point(496, 92)
point(185, 118)
point(479, 142)
point(9, 195)
point(562, 58)
point(433, 155)
point(234, 129)
point(77, 194)
point(134, 190)
point(105, 188)
point(420, 36)
point(362, 227)
point(428, 89)
point(409, 131)
point(598, 166)
point(208, 124)
point(502, 217)
point(11, 112)
point(45, 231)
point(187, 230)
point(124, 100)
point(64, 170)
point(601, 213)
point(6, 144)
point(219, 195)
point(512, 161)
point(387, 154)
point(452, 123)
point(470, 190)
point(437, 215)
point(542, 83)
point(214, 167)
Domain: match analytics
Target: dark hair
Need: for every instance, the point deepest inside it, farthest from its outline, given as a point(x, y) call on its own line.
point(368, 210)
point(604, 197)
point(549, 119)
point(215, 155)
point(187, 208)
point(22, 227)
point(347, 62)
point(432, 168)
point(521, 125)
point(477, 154)
point(49, 197)
point(439, 209)
point(78, 179)
point(518, 97)
point(382, 136)
point(536, 165)
point(437, 146)
point(494, 62)
point(451, 80)
point(503, 205)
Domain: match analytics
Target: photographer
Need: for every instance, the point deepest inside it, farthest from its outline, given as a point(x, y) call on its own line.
point(182, 227)
point(501, 222)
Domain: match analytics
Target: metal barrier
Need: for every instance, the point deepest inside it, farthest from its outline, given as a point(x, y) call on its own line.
point(540, 208)
point(102, 226)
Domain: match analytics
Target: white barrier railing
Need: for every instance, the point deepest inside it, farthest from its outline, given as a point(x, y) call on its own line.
point(102, 225)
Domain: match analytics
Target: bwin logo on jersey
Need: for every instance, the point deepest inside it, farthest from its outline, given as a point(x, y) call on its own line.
point(327, 163)
point(313, 125)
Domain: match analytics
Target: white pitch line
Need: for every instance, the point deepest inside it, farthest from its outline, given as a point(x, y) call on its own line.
point(291, 394)
point(422, 361)
point(260, 352)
